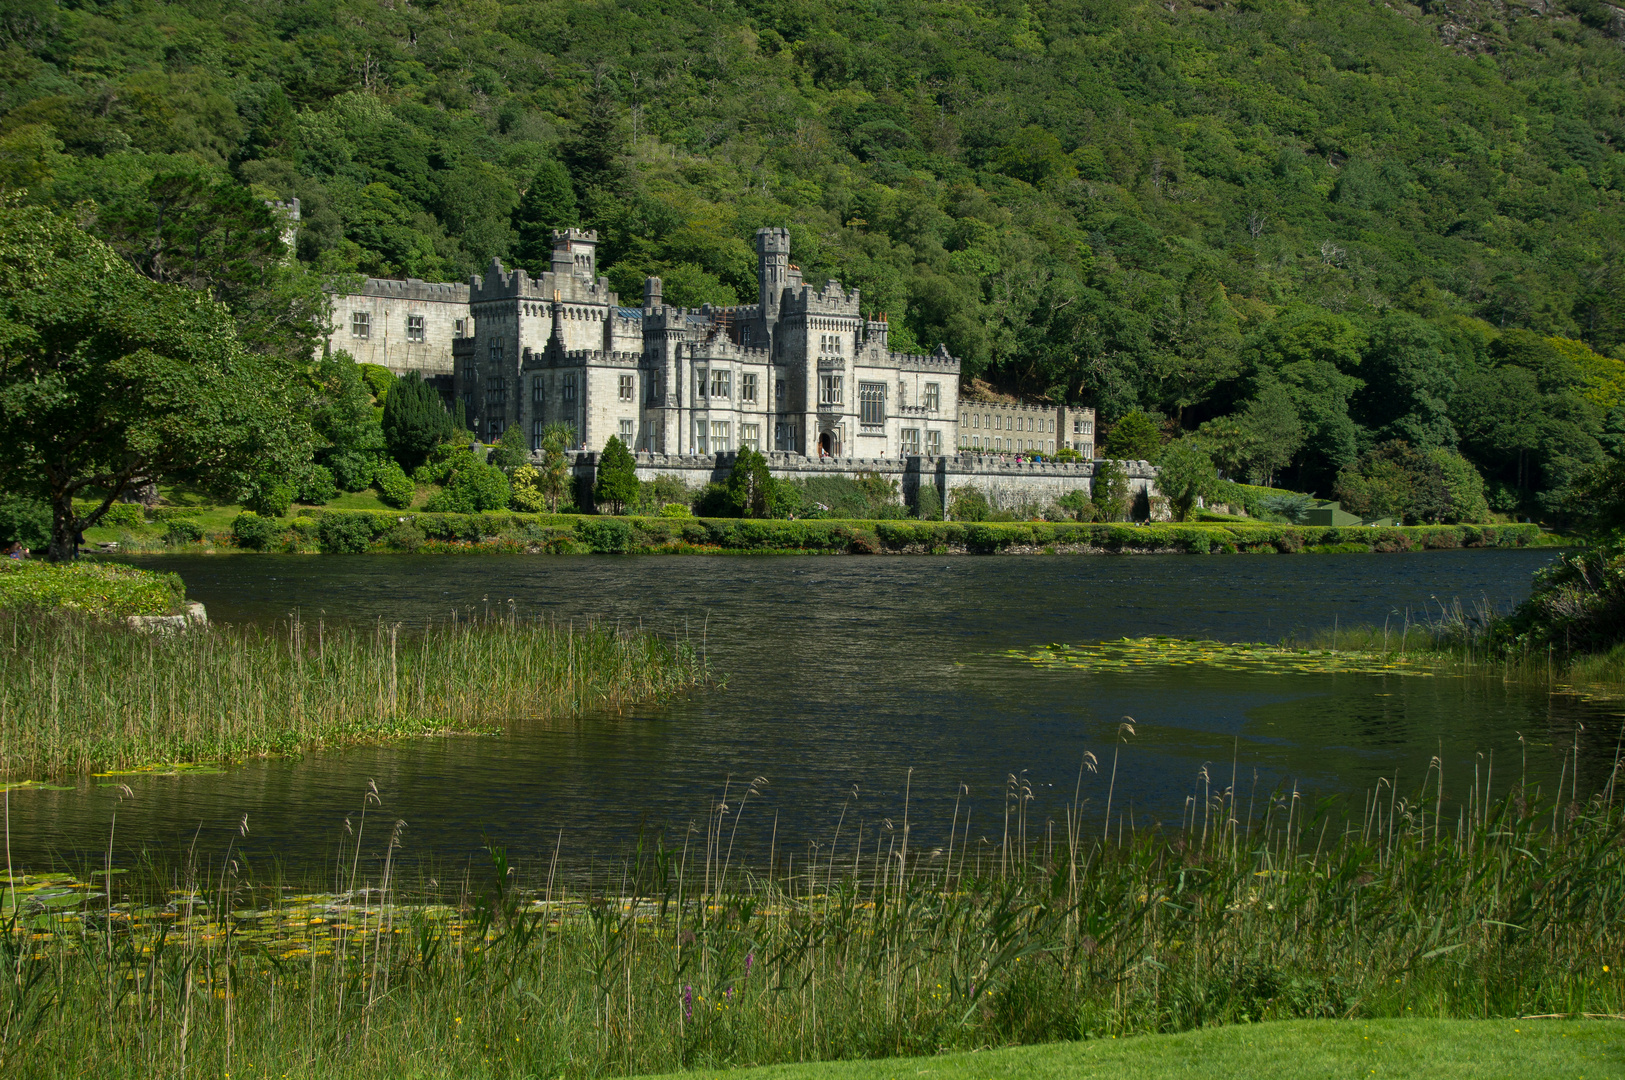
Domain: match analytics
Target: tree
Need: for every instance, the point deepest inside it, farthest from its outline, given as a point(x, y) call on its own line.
point(1135, 437)
point(109, 381)
point(1108, 489)
point(1383, 483)
point(342, 413)
point(511, 451)
point(557, 439)
point(617, 476)
point(1184, 475)
point(1274, 434)
point(548, 203)
point(750, 486)
point(415, 421)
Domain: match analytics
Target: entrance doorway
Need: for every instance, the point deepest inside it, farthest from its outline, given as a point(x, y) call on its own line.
point(826, 446)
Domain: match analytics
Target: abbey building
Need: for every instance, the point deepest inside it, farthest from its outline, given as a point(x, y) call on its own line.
point(801, 371)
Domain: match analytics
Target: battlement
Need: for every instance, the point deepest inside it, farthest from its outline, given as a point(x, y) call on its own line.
point(832, 299)
point(415, 289)
point(600, 356)
point(564, 236)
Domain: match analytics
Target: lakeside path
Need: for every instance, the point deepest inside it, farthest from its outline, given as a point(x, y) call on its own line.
point(1386, 1049)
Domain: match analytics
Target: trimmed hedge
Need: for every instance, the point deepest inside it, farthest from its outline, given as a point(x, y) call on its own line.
point(362, 530)
point(101, 590)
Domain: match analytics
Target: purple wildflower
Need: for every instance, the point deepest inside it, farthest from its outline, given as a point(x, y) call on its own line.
point(688, 1002)
point(748, 958)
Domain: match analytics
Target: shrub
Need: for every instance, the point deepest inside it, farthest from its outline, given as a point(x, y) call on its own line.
point(1076, 505)
point(415, 420)
point(316, 487)
point(24, 521)
point(605, 536)
point(394, 485)
point(353, 470)
point(183, 531)
point(526, 490)
point(511, 451)
point(712, 501)
point(928, 502)
point(675, 510)
point(254, 532)
point(269, 496)
point(475, 487)
point(124, 516)
point(968, 504)
point(344, 534)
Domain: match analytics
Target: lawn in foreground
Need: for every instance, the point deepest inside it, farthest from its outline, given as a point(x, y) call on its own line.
point(1431, 1049)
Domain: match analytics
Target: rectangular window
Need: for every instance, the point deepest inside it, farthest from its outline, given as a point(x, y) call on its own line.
point(496, 393)
point(720, 436)
point(933, 443)
point(1051, 427)
point(496, 350)
point(627, 431)
point(654, 387)
point(933, 396)
point(414, 328)
point(462, 327)
point(700, 385)
point(784, 437)
point(829, 389)
point(722, 384)
point(872, 404)
point(568, 388)
point(750, 436)
point(778, 393)
point(747, 387)
point(496, 430)
point(536, 434)
point(911, 442)
point(360, 325)
point(629, 387)
point(698, 446)
point(537, 394)
point(976, 442)
point(470, 373)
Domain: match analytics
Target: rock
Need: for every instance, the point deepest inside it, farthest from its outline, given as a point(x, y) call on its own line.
point(194, 616)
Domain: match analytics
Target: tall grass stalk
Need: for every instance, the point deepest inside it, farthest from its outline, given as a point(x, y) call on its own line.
point(683, 957)
point(79, 696)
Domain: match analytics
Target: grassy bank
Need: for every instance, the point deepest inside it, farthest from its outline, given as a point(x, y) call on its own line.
point(94, 590)
point(1406, 1049)
point(1502, 902)
point(504, 532)
point(80, 696)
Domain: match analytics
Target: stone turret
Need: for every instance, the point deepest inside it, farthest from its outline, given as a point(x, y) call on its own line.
point(772, 267)
point(651, 294)
point(575, 251)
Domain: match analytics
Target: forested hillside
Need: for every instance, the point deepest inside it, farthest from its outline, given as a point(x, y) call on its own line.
point(1305, 230)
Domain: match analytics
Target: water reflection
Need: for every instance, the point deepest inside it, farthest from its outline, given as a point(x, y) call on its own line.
point(880, 675)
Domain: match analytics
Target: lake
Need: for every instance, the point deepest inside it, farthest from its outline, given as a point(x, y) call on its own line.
point(854, 685)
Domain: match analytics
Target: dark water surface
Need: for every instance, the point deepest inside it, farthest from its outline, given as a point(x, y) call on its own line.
point(881, 676)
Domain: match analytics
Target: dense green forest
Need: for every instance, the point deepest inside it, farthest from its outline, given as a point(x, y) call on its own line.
point(1337, 242)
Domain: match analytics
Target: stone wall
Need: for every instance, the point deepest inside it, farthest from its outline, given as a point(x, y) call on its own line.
point(385, 336)
point(1006, 484)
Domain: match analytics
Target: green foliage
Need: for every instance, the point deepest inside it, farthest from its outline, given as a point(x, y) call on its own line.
point(345, 534)
point(1578, 604)
point(24, 521)
point(99, 590)
point(183, 531)
point(394, 485)
point(968, 504)
point(415, 421)
point(511, 451)
point(379, 379)
point(1108, 490)
point(605, 536)
point(1184, 475)
point(750, 487)
point(1290, 507)
point(527, 490)
point(1136, 437)
point(316, 487)
point(471, 487)
point(617, 476)
point(268, 495)
point(927, 502)
point(254, 532)
point(118, 381)
point(549, 203)
point(1077, 505)
point(342, 413)
point(558, 440)
point(1395, 480)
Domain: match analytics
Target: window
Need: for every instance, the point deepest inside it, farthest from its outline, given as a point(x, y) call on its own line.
point(829, 389)
point(496, 350)
point(911, 442)
point(719, 436)
point(360, 325)
point(654, 387)
point(750, 436)
point(698, 446)
point(537, 394)
point(470, 373)
point(872, 403)
point(1051, 428)
point(902, 394)
point(722, 384)
point(778, 393)
point(629, 387)
point(699, 383)
point(567, 389)
point(747, 389)
point(627, 432)
point(933, 396)
point(933, 443)
point(496, 393)
point(536, 433)
point(462, 327)
point(414, 328)
point(976, 442)
point(496, 430)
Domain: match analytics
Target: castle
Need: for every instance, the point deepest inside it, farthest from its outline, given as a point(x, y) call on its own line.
point(802, 371)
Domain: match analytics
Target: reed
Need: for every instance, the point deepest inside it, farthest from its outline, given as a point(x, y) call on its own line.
point(865, 943)
point(79, 696)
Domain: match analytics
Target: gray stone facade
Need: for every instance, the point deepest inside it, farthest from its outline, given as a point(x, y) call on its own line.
point(1003, 427)
point(405, 326)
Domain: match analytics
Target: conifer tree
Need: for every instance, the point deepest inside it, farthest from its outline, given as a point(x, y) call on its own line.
point(750, 485)
point(617, 476)
point(548, 203)
point(415, 421)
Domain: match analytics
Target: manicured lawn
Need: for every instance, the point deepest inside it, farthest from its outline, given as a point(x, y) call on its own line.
point(1423, 1049)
